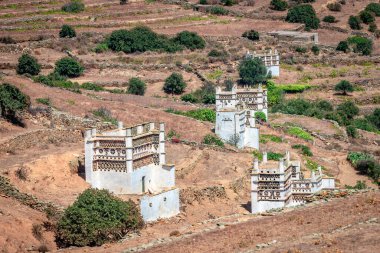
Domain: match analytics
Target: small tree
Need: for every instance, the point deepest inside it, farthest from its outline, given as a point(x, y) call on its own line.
point(352, 131)
point(367, 17)
point(27, 64)
point(75, 6)
point(68, 67)
point(252, 71)
point(349, 109)
point(343, 46)
point(260, 116)
point(315, 49)
point(354, 22)
point(12, 100)
point(305, 14)
point(67, 32)
point(175, 84)
point(191, 40)
point(136, 86)
point(278, 5)
point(334, 6)
point(251, 35)
point(344, 86)
point(329, 19)
point(97, 217)
point(372, 27)
point(374, 7)
point(361, 44)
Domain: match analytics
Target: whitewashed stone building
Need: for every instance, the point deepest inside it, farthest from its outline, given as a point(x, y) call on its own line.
point(235, 115)
point(282, 184)
point(132, 161)
point(271, 60)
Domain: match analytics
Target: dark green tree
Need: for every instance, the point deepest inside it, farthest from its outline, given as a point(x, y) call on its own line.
point(251, 35)
point(75, 6)
point(12, 100)
point(344, 86)
point(374, 118)
point(354, 22)
point(343, 46)
point(361, 44)
point(97, 217)
point(190, 40)
point(252, 71)
point(315, 49)
point(278, 5)
point(305, 14)
point(68, 67)
point(27, 64)
point(372, 27)
point(348, 109)
point(329, 19)
point(136, 86)
point(67, 32)
point(174, 84)
point(374, 8)
point(367, 17)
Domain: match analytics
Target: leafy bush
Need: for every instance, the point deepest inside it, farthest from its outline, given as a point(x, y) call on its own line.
point(351, 131)
point(217, 10)
point(27, 64)
point(12, 101)
point(212, 140)
point(334, 6)
point(97, 217)
point(367, 17)
point(140, 39)
point(374, 118)
point(294, 88)
point(204, 2)
point(364, 124)
point(91, 86)
point(264, 138)
point(252, 71)
point(348, 109)
point(67, 32)
point(360, 185)
point(101, 48)
point(278, 5)
point(369, 167)
point(343, 46)
point(68, 67)
point(274, 156)
point(7, 40)
point(260, 116)
point(174, 84)
point(136, 86)
point(199, 114)
point(372, 27)
point(305, 14)
point(315, 49)
point(374, 8)
point(301, 50)
point(329, 19)
point(206, 94)
point(75, 6)
point(275, 94)
point(228, 2)
point(360, 44)
point(304, 149)
point(190, 40)
point(298, 132)
point(189, 98)
point(344, 86)
point(228, 84)
point(354, 22)
point(217, 53)
point(44, 101)
point(56, 80)
point(355, 157)
point(105, 115)
point(251, 35)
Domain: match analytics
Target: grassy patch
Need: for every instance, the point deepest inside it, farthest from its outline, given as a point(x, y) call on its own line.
point(312, 165)
point(199, 114)
point(212, 140)
point(44, 101)
point(105, 115)
point(304, 149)
point(294, 88)
point(216, 74)
point(300, 133)
point(264, 138)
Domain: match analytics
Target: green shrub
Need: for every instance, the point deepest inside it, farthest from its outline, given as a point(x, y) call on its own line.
point(360, 44)
point(174, 84)
point(304, 149)
point(212, 140)
point(228, 84)
point(305, 14)
point(95, 218)
point(203, 2)
point(27, 64)
point(252, 71)
point(217, 53)
point(56, 80)
point(68, 67)
point(105, 115)
point(91, 86)
point(360, 185)
point(264, 138)
point(355, 157)
point(372, 27)
point(349, 109)
point(190, 40)
point(315, 49)
point(343, 46)
point(217, 10)
point(354, 22)
point(278, 5)
point(298, 132)
point(67, 32)
point(136, 86)
point(374, 7)
point(12, 101)
point(251, 35)
point(75, 6)
point(101, 48)
point(199, 114)
point(206, 94)
point(344, 86)
point(44, 101)
point(334, 6)
point(228, 2)
point(364, 124)
point(301, 50)
point(374, 118)
point(274, 156)
point(189, 98)
point(294, 88)
point(367, 17)
point(329, 19)
point(351, 131)
point(275, 94)
point(260, 116)
point(369, 167)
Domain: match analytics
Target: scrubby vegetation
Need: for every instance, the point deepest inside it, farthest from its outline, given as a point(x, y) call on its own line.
point(56, 80)
point(360, 44)
point(264, 138)
point(44, 101)
point(252, 71)
point(175, 84)
point(260, 116)
point(68, 67)
point(212, 140)
point(294, 88)
point(274, 156)
point(329, 19)
point(27, 64)
point(12, 101)
point(365, 164)
point(75, 6)
point(97, 217)
point(304, 149)
point(190, 40)
point(305, 14)
point(343, 46)
point(335, 6)
point(344, 86)
point(374, 8)
point(136, 86)
point(367, 17)
point(105, 114)
point(251, 35)
point(67, 32)
point(354, 22)
point(205, 94)
point(217, 10)
point(199, 114)
point(300, 133)
point(91, 86)
point(278, 5)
